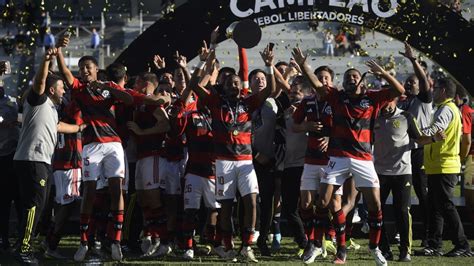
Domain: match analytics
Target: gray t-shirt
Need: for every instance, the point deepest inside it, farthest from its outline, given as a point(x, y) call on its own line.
point(9, 131)
point(38, 133)
point(392, 150)
point(421, 107)
point(295, 144)
point(264, 124)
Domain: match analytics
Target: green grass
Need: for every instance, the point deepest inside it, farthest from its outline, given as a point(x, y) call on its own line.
point(287, 256)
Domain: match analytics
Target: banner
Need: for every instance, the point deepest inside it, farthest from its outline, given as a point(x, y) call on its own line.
point(439, 33)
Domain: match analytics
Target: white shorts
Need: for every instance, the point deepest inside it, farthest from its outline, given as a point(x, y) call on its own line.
point(67, 184)
point(103, 183)
point(170, 173)
point(339, 168)
point(197, 187)
point(103, 159)
point(146, 173)
point(233, 175)
point(311, 178)
point(469, 174)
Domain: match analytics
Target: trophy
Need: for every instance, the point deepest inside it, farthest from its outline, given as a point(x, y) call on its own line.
point(246, 33)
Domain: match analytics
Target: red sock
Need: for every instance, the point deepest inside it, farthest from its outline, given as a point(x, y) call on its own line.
point(188, 229)
point(307, 216)
point(84, 226)
point(332, 233)
point(247, 237)
point(339, 222)
point(118, 223)
point(375, 224)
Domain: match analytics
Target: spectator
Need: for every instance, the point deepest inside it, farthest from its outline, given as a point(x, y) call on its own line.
point(442, 165)
point(329, 43)
point(95, 39)
point(341, 43)
point(49, 41)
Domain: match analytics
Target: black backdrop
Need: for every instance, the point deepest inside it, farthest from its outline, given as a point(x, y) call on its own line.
point(441, 34)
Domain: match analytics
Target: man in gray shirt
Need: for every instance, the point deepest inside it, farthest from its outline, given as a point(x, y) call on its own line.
point(32, 160)
point(9, 133)
point(393, 131)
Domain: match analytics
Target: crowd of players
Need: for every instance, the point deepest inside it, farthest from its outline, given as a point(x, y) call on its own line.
point(189, 149)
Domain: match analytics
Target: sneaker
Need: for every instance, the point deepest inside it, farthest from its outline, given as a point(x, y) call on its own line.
point(145, 245)
point(353, 245)
point(378, 257)
point(341, 256)
point(81, 252)
point(97, 249)
point(388, 255)
point(404, 255)
point(459, 252)
point(276, 243)
point(163, 250)
point(53, 254)
point(116, 251)
point(27, 258)
point(313, 254)
point(429, 252)
point(204, 250)
point(263, 248)
point(330, 247)
point(219, 251)
point(188, 254)
point(248, 254)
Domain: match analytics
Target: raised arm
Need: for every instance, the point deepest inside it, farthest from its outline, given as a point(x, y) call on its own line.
point(300, 59)
point(206, 57)
point(68, 77)
point(39, 85)
point(120, 95)
point(396, 89)
point(70, 128)
point(268, 57)
point(419, 72)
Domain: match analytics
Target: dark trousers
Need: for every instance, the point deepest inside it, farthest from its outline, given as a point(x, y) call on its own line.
point(290, 194)
point(440, 194)
point(420, 185)
point(400, 186)
point(9, 191)
point(33, 178)
point(266, 186)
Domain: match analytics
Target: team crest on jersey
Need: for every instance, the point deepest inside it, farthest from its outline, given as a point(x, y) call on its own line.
point(396, 124)
point(105, 94)
point(365, 103)
point(328, 110)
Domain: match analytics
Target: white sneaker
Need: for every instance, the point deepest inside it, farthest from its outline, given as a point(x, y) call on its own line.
point(378, 257)
point(116, 251)
point(53, 254)
point(163, 250)
point(247, 253)
point(145, 245)
point(219, 251)
point(312, 255)
point(188, 254)
point(81, 252)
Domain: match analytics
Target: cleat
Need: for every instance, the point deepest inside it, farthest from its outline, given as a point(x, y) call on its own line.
point(116, 251)
point(81, 252)
point(163, 250)
point(27, 258)
point(276, 243)
point(378, 257)
point(353, 245)
point(219, 251)
point(53, 254)
point(155, 243)
point(145, 245)
point(188, 254)
point(429, 252)
point(248, 254)
point(312, 254)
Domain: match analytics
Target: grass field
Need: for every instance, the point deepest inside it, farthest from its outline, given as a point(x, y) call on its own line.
point(286, 256)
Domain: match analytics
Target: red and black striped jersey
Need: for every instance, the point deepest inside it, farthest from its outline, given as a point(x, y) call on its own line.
point(148, 145)
point(353, 122)
point(175, 141)
point(201, 160)
point(315, 111)
point(98, 110)
point(67, 154)
point(124, 113)
point(232, 126)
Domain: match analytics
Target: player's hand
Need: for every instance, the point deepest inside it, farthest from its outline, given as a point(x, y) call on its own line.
point(63, 41)
point(440, 135)
point(408, 52)
point(159, 61)
point(50, 54)
point(375, 68)
point(314, 126)
point(181, 60)
point(214, 35)
point(323, 145)
point(298, 55)
point(262, 159)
